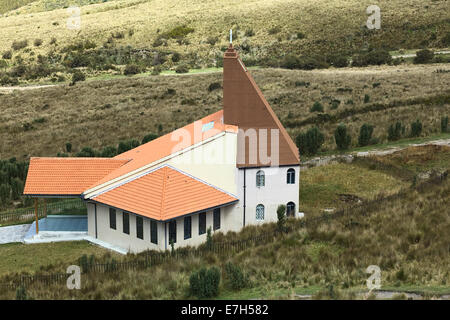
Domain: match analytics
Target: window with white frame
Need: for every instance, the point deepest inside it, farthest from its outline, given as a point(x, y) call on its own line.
point(260, 212)
point(290, 176)
point(260, 179)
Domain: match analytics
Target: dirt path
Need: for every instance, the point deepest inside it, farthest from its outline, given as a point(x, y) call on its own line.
point(24, 88)
point(321, 161)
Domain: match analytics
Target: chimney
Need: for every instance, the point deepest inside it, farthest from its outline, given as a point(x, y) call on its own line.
point(245, 106)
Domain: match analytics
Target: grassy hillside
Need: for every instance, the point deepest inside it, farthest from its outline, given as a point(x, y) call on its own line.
point(100, 113)
point(407, 236)
point(168, 33)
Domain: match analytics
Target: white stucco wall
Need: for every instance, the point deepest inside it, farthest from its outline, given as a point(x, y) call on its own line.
point(275, 192)
point(132, 243)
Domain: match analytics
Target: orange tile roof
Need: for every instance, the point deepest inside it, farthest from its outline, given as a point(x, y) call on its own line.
point(165, 193)
point(67, 176)
point(169, 144)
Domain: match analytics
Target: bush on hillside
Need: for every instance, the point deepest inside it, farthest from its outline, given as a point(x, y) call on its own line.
point(373, 57)
point(20, 44)
point(237, 279)
point(303, 62)
point(7, 55)
point(365, 135)
point(204, 283)
point(310, 142)
point(395, 131)
point(127, 145)
point(423, 56)
point(77, 76)
point(182, 69)
point(338, 61)
point(342, 138)
point(416, 128)
point(131, 69)
point(316, 107)
point(444, 124)
point(149, 137)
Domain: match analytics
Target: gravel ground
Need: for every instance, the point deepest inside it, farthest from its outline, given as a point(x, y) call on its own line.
point(13, 233)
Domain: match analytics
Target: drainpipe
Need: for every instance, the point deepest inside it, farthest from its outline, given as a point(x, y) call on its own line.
point(245, 187)
point(95, 211)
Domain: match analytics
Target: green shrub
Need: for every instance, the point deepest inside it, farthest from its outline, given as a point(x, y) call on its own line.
point(365, 135)
point(373, 57)
point(17, 45)
point(214, 86)
point(423, 56)
point(334, 104)
point(301, 35)
point(366, 98)
point(7, 55)
point(182, 69)
point(237, 279)
point(176, 57)
point(204, 283)
point(304, 62)
point(212, 40)
point(179, 32)
point(37, 42)
point(7, 80)
point(395, 131)
point(338, 61)
point(77, 76)
point(416, 128)
point(444, 124)
point(342, 138)
point(274, 30)
point(21, 293)
point(68, 147)
point(281, 215)
point(311, 141)
point(127, 145)
point(4, 193)
point(316, 107)
point(149, 137)
point(209, 239)
point(131, 69)
point(86, 152)
point(108, 152)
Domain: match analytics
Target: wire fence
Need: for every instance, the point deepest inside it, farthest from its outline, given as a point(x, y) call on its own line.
point(22, 215)
point(152, 258)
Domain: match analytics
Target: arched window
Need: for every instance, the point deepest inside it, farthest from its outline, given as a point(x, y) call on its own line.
point(290, 209)
point(291, 176)
point(260, 179)
point(260, 212)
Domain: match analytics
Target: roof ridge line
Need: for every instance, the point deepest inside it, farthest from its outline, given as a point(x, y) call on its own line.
point(161, 210)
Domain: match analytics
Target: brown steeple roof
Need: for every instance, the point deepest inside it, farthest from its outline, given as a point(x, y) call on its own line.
point(246, 107)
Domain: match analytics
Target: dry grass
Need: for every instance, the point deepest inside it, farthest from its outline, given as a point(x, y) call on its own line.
point(18, 257)
point(321, 187)
point(328, 25)
point(100, 113)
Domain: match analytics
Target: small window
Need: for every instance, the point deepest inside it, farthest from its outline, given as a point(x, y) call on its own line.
point(140, 227)
point(173, 231)
point(112, 218)
point(202, 223)
point(291, 176)
point(153, 232)
point(187, 227)
point(216, 219)
point(260, 212)
point(290, 209)
point(260, 179)
point(126, 223)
